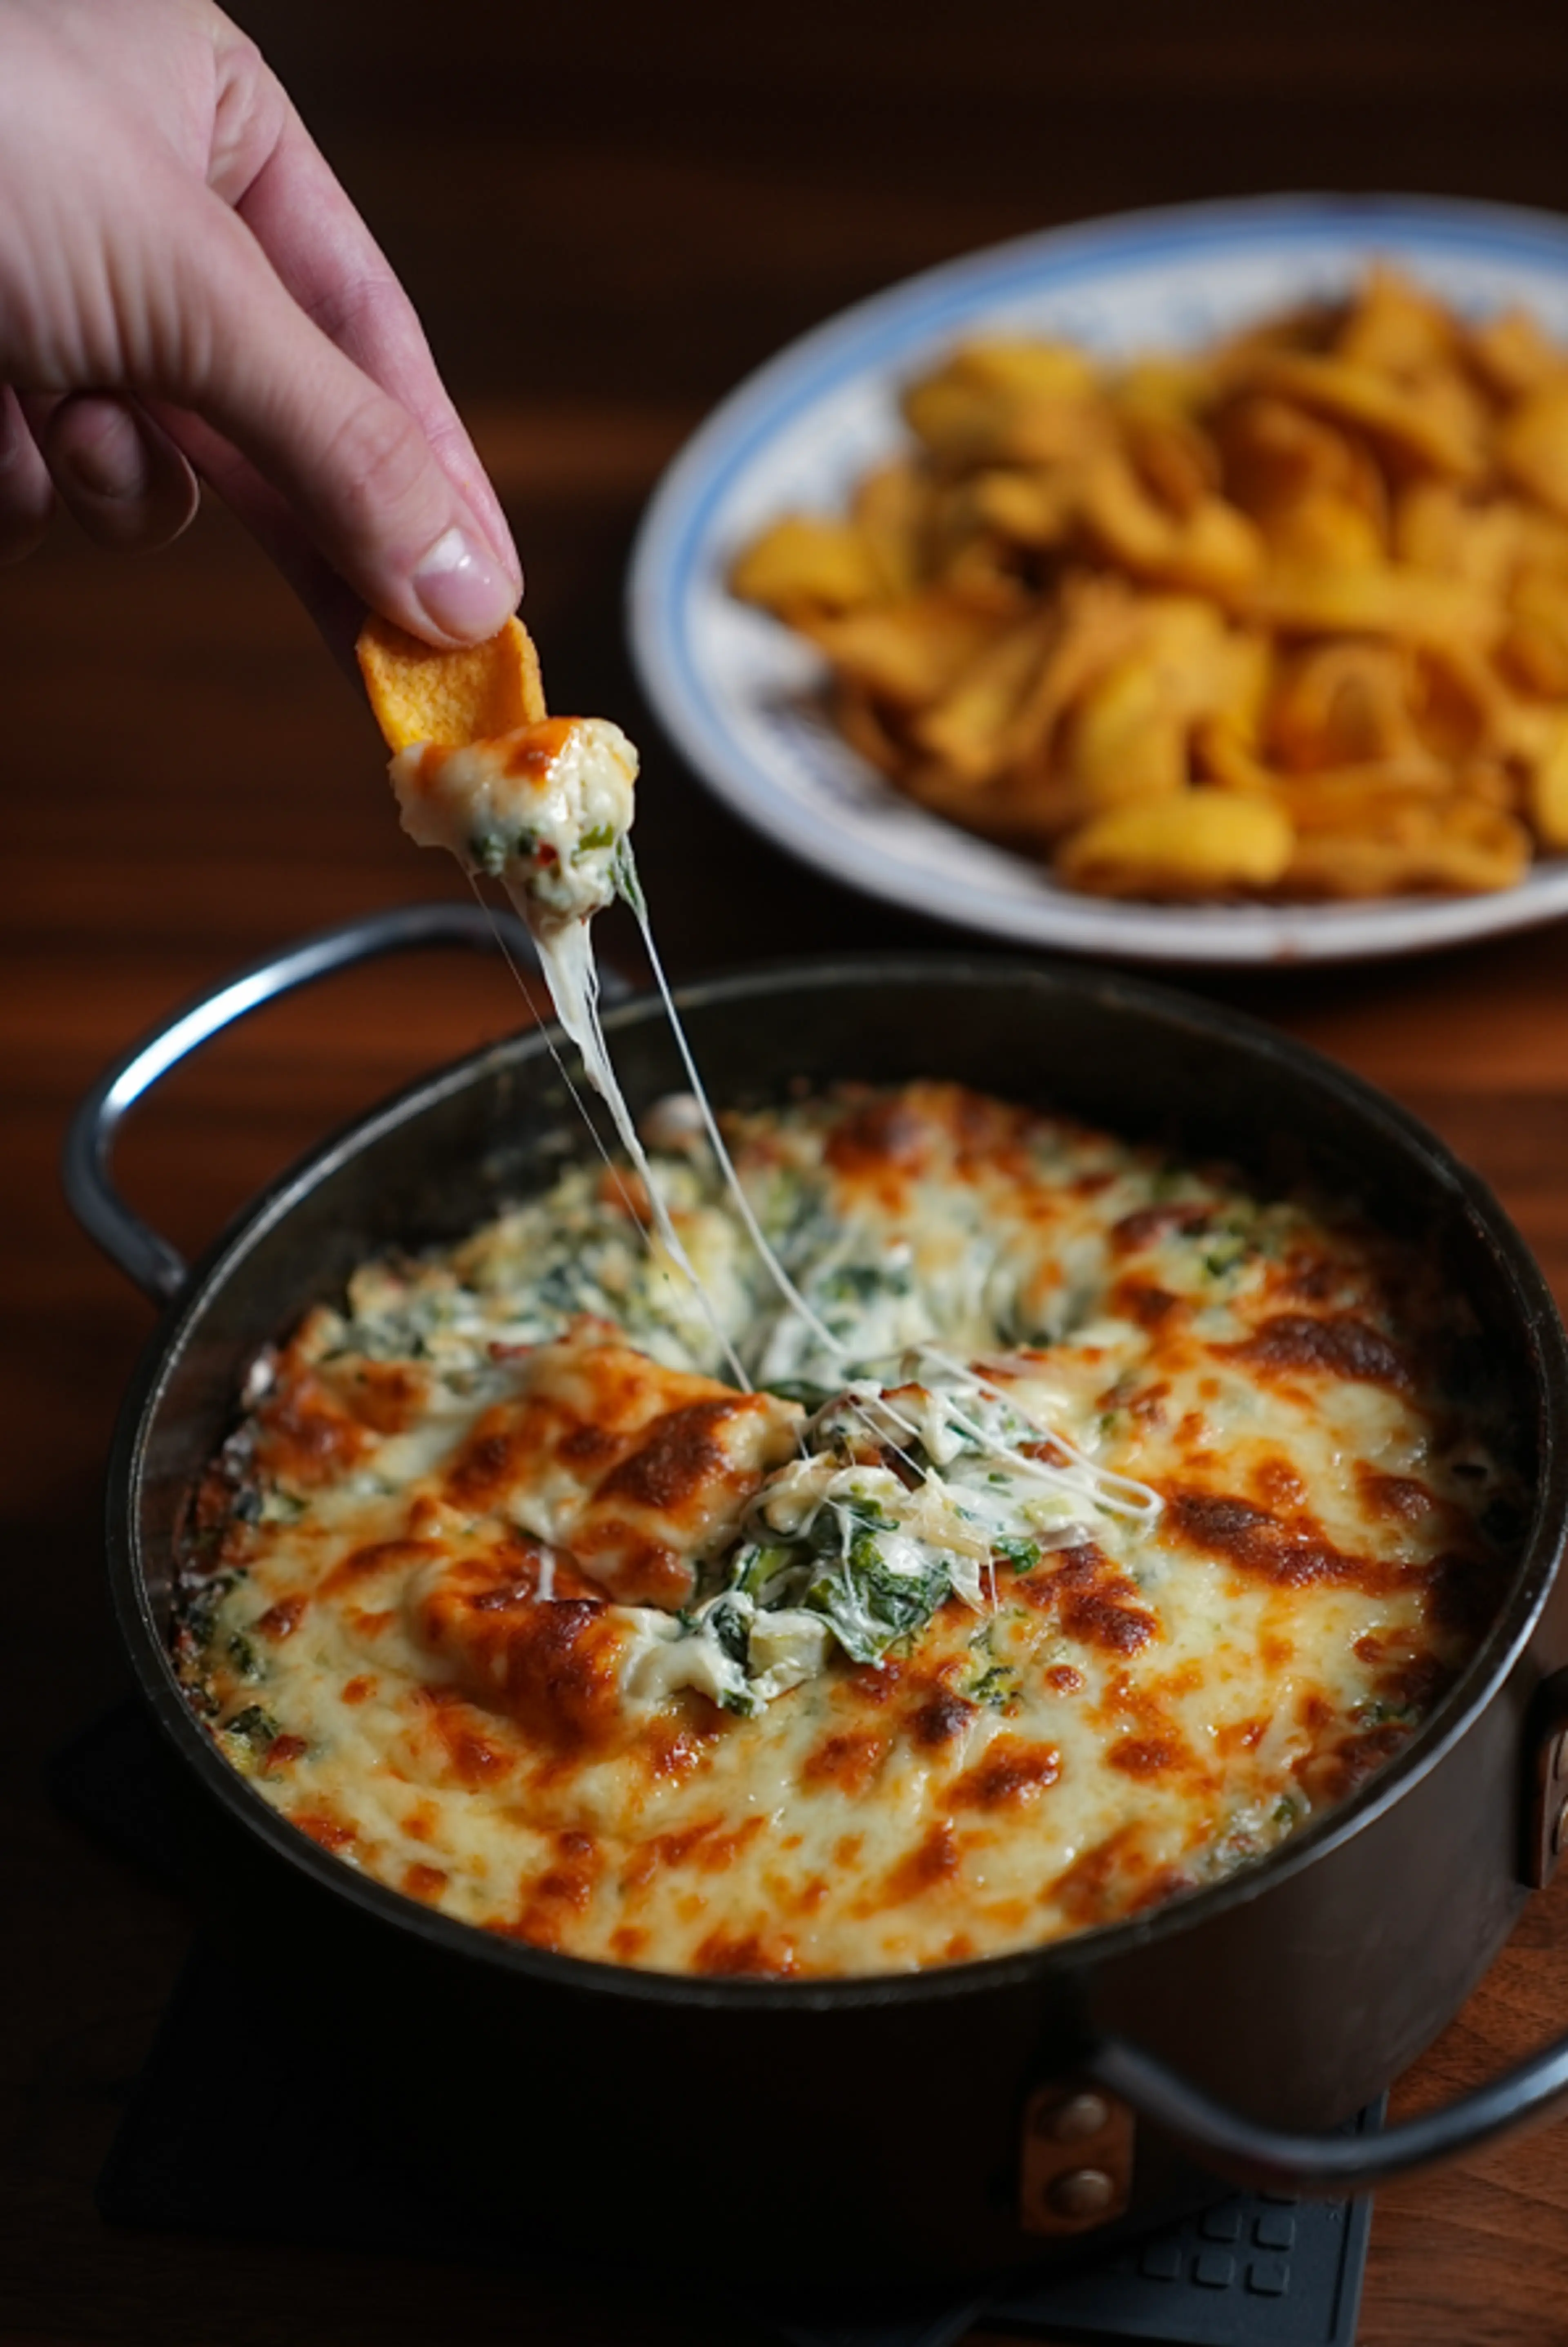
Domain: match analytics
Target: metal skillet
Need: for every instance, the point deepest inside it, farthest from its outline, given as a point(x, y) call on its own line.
point(968, 2118)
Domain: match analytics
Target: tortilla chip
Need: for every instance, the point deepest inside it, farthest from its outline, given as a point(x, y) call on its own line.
point(473, 694)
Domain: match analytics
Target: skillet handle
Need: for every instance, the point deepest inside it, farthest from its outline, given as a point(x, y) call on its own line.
point(145, 1258)
point(1327, 2167)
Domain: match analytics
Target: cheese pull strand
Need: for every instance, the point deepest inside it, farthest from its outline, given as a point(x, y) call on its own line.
point(546, 808)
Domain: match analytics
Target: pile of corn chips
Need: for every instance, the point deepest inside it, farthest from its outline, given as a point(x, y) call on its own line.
point(1286, 619)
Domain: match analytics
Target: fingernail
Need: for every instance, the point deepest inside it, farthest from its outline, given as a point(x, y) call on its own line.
point(460, 591)
point(109, 460)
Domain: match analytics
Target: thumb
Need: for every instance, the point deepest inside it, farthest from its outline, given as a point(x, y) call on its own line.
point(352, 467)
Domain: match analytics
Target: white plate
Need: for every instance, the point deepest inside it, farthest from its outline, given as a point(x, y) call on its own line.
point(735, 688)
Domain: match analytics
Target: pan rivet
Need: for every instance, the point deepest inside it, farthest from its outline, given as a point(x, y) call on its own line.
point(1072, 2121)
point(1560, 1831)
point(1083, 2193)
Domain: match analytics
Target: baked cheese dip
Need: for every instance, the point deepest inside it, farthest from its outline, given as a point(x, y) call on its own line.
point(1088, 1525)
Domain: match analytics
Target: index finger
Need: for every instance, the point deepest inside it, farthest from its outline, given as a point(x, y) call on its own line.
point(271, 170)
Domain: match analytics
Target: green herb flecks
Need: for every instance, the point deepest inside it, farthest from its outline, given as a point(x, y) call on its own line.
point(869, 1591)
point(1013, 1548)
point(242, 1654)
point(254, 1729)
point(995, 1687)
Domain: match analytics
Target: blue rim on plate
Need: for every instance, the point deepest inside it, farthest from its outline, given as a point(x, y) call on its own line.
point(734, 689)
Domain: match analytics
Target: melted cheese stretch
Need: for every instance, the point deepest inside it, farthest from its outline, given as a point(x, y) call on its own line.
point(500, 1593)
point(547, 811)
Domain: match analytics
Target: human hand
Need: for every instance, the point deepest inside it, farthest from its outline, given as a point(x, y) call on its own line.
point(185, 290)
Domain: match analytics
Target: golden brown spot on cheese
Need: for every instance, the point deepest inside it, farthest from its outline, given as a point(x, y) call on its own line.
point(1148, 1406)
point(1415, 1683)
point(426, 1882)
point(1339, 1346)
point(1151, 1226)
point(566, 1887)
point(475, 1758)
point(676, 1457)
point(323, 1827)
point(586, 1444)
point(554, 1668)
point(282, 1620)
point(1310, 1275)
point(389, 1397)
point(1146, 1756)
point(933, 1861)
point(627, 1943)
point(1295, 1554)
point(1093, 1602)
point(528, 754)
point(719, 1852)
point(1402, 1498)
point(1334, 1775)
point(305, 1438)
point(674, 1748)
point(539, 1927)
point(1164, 1882)
point(1062, 1679)
point(882, 1134)
point(704, 1845)
point(376, 1557)
point(480, 1475)
point(1011, 1772)
point(283, 1749)
point(359, 1688)
point(726, 1953)
point(623, 1190)
point(851, 1758)
point(644, 1572)
point(1141, 1300)
point(1090, 1890)
point(1277, 1483)
point(942, 1716)
point(644, 1469)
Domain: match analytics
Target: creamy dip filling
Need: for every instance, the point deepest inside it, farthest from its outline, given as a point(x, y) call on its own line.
point(543, 810)
point(1097, 1524)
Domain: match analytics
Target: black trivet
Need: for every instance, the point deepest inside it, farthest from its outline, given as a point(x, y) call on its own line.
point(1253, 2270)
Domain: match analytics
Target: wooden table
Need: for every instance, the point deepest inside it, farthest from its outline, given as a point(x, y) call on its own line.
point(607, 213)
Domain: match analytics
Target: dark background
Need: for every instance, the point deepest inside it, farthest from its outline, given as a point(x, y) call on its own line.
point(607, 214)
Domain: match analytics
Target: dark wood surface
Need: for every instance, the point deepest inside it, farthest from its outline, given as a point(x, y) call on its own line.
point(607, 213)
